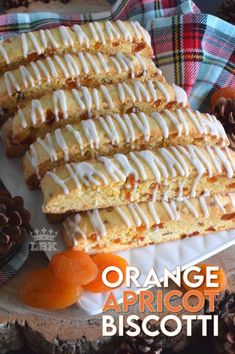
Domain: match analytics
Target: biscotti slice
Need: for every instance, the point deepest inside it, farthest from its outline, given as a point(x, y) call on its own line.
point(70, 106)
point(138, 225)
point(108, 37)
point(171, 172)
point(119, 133)
point(70, 71)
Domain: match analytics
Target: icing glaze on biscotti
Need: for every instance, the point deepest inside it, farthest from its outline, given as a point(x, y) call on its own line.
point(136, 225)
point(171, 172)
point(70, 106)
point(70, 71)
point(108, 37)
point(119, 133)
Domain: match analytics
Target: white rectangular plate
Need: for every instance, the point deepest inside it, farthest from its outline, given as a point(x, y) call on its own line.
point(179, 253)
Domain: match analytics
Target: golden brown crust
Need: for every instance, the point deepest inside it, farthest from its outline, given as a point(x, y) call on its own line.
point(107, 37)
point(36, 79)
point(71, 106)
point(112, 134)
point(115, 229)
point(172, 172)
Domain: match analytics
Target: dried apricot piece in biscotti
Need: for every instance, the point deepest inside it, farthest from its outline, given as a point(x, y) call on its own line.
point(41, 289)
point(103, 261)
point(74, 267)
point(221, 279)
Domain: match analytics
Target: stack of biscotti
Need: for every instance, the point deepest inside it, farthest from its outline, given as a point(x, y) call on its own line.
point(109, 141)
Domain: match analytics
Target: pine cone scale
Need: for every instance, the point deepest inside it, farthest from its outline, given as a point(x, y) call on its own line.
point(14, 222)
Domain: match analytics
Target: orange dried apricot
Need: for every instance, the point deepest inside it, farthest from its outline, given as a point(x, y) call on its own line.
point(103, 261)
point(226, 92)
point(41, 289)
point(222, 279)
point(74, 267)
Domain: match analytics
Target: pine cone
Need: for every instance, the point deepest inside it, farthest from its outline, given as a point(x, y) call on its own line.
point(14, 223)
point(143, 343)
point(227, 11)
point(225, 308)
point(224, 110)
point(12, 4)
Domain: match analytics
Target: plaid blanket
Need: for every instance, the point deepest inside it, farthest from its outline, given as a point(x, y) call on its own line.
point(194, 50)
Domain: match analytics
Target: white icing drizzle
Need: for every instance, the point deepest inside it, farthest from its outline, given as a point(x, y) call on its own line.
point(97, 223)
point(107, 96)
point(44, 70)
point(87, 173)
point(81, 35)
point(191, 208)
point(37, 46)
point(109, 31)
point(74, 225)
point(123, 216)
point(4, 53)
point(136, 30)
point(109, 127)
point(76, 135)
point(62, 66)
point(78, 99)
point(174, 210)
point(36, 108)
point(93, 31)
point(47, 145)
point(59, 99)
point(219, 204)
point(204, 207)
point(58, 181)
point(67, 39)
point(168, 210)
point(84, 63)
point(74, 176)
point(163, 90)
point(26, 76)
point(138, 215)
point(92, 62)
point(181, 96)
point(36, 71)
point(141, 214)
point(91, 134)
point(43, 39)
point(180, 196)
point(126, 64)
point(100, 32)
point(10, 79)
point(127, 35)
point(54, 43)
point(153, 212)
point(62, 143)
point(23, 118)
point(164, 163)
point(33, 157)
point(24, 45)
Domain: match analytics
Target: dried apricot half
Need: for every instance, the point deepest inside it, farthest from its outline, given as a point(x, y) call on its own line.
point(41, 289)
point(103, 261)
point(74, 267)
